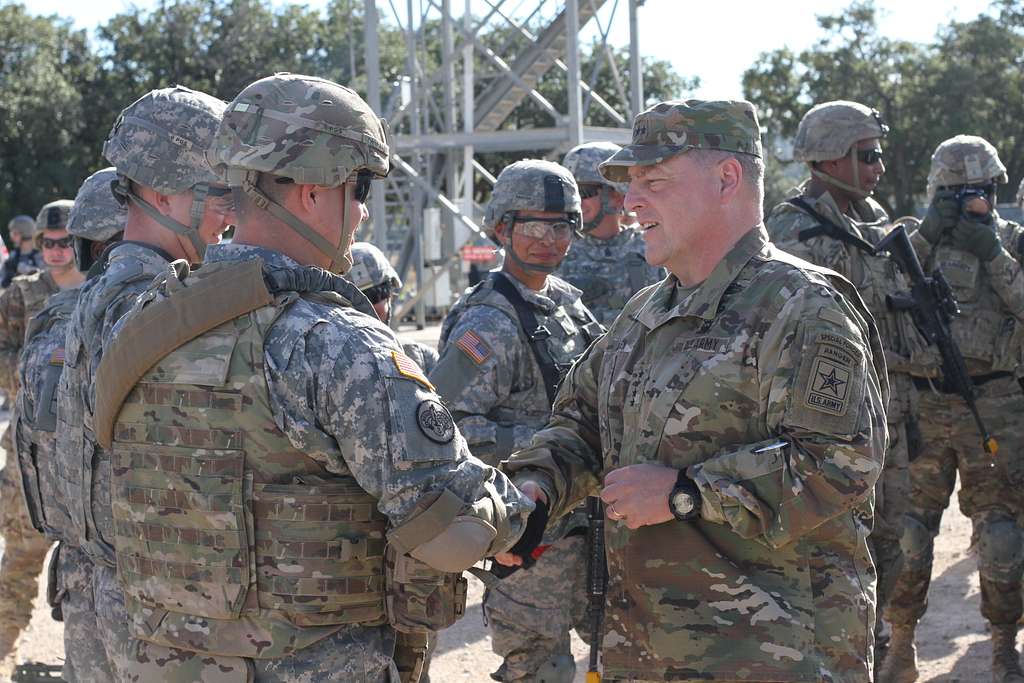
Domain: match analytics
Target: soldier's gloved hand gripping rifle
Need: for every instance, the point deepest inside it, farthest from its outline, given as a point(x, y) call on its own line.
point(932, 305)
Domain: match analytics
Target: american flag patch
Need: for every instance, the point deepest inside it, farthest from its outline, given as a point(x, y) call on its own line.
point(474, 347)
point(407, 368)
point(57, 357)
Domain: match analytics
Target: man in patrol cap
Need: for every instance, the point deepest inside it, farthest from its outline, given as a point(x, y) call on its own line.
point(607, 263)
point(347, 497)
point(979, 254)
point(732, 420)
point(832, 221)
point(24, 257)
point(375, 277)
point(24, 548)
point(505, 346)
point(176, 206)
point(94, 219)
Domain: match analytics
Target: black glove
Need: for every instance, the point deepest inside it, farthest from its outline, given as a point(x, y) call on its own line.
point(977, 235)
point(943, 214)
point(534, 532)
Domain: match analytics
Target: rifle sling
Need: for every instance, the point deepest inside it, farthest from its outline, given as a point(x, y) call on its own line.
point(166, 324)
point(827, 228)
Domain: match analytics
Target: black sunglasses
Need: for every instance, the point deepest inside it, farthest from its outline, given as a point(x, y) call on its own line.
point(869, 156)
point(63, 242)
point(363, 183)
point(588, 191)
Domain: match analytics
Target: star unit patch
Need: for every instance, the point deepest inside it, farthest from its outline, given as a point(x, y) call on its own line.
point(474, 347)
point(828, 388)
point(435, 421)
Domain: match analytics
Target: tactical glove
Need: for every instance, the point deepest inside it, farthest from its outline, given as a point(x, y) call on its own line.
point(942, 216)
point(977, 236)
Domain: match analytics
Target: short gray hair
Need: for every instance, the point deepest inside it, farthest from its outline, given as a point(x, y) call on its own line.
point(753, 167)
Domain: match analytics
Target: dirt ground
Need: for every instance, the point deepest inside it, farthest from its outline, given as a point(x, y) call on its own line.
point(952, 638)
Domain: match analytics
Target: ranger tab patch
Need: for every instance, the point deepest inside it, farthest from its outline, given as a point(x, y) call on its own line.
point(407, 368)
point(474, 347)
point(435, 421)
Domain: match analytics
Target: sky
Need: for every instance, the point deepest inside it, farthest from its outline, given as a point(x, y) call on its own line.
point(716, 42)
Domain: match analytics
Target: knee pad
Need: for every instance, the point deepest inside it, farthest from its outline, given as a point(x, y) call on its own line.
point(917, 543)
point(1000, 550)
point(560, 669)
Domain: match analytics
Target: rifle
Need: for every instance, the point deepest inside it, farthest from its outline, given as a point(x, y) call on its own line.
point(596, 582)
point(932, 304)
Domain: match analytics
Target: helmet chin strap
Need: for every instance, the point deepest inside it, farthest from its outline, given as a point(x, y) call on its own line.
point(200, 193)
point(854, 189)
point(339, 254)
point(606, 210)
point(510, 253)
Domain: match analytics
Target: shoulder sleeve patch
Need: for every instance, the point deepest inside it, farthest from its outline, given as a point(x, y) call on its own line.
point(830, 389)
point(407, 368)
point(474, 347)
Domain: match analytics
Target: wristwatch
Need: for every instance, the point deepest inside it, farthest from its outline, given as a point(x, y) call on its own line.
point(684, 500)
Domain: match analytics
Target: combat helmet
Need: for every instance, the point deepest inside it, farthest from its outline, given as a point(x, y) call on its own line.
point(964, 160)
point(305, 130)
point(372, 273)
point(160, 141)
point(830, 131)
point(583, 162)
point(53, 216)
point(97, 216)
point(24, 226)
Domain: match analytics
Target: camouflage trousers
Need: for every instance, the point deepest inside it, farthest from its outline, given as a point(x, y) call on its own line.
point(71, 588)
point(24, 554)
point(531, 612)
point(990, 494)
point(354, 654)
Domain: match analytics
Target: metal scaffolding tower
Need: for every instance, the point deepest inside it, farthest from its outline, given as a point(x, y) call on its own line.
point(443, 116)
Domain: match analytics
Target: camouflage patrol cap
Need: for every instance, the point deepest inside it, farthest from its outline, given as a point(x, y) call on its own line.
point(676, 126)
point(532, 185)
point(583, 161)
point(370, 268)
point(97, 215)
point(964, 160)
point(22, 225)
point(828, 130)
point(304, 128)
point(54, 216)
point(161, 139)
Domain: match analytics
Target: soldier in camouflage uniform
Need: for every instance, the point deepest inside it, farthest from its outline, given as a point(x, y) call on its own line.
point(375, 277)
point(979, 253)
point(833, 222)
point(607, 263)
point(333, 474)
point(733, 421)
point(95, 218)
point(490, 374)
point(24, 549)
point(176, 206)
point(24, 257)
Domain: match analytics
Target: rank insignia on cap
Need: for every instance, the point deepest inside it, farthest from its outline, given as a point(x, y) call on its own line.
point(474, 347)
point(435, 421)
point(407, 368)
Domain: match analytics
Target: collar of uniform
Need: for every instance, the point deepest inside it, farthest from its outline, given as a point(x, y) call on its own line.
point(825, 204)
point(542, 299)
point(242, 252)
point(146, 254)
point(702, 301)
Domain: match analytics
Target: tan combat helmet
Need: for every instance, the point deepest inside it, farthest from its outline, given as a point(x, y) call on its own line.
point(583, 161)
point(23, 226)
point(160, 141)
point(830, 131)
point(97, 216)
point(964, 160)
point(307, 130)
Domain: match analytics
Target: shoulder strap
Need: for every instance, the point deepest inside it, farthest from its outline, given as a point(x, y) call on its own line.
point(827, 228)
point(166, 324)
point(535, 333)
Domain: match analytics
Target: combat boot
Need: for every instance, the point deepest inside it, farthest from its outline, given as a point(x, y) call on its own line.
point(1005, 660)
point(900, 664)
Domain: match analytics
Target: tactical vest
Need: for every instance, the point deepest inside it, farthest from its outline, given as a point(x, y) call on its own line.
point(219, 520)
point(35, 420)
point(35, 288)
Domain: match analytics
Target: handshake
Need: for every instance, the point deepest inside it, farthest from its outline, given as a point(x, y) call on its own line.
point(963, 218)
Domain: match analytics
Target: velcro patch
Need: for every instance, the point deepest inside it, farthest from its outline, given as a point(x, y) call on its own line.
point(435, 421)
point(829, 385)
point(407, 368)
point(474, 347)
point(57, 357)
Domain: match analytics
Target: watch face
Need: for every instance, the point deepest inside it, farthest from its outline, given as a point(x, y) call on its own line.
point(682, 503)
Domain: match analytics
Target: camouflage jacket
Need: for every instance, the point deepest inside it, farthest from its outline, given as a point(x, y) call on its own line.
point(23, 299)
point(84, 468)
point(875, 277)
point(425, 356)
point(487, 372)
point(766, 385)
point(990, 327)
point(35, 414)
point(609, 272)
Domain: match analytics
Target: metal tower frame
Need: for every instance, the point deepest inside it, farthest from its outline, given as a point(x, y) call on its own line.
point(441, 122)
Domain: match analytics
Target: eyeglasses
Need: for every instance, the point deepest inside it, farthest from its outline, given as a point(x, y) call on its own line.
point(363, 182)
point(588, 191)
point(556, 229)
point(869, 156)
point(62, 243)
point(218, 190)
